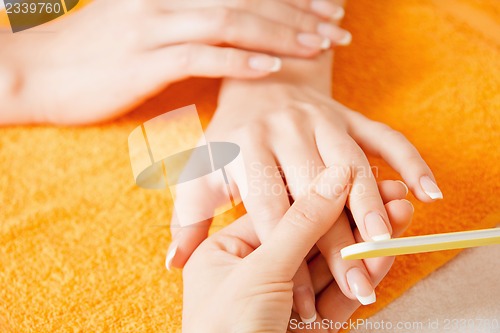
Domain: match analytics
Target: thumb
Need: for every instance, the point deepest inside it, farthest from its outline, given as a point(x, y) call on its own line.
point(304, 223)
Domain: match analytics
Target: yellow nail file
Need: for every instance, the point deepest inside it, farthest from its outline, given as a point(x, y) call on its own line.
point(418, 244)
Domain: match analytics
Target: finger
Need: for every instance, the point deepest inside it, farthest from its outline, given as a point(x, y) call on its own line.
point(400, 213)
point(303, 224)
point(350, 275)
point(381, 140)
point(392, 190)
point(259, 200)
point(321, 276)
point(190, 222)
point(364, 199)
point(186, 60)
point(267, 199)
point(299, 159)
point(185, 241)
point(312, 18)
point(313, 253)
point(237, 28)
point(303, 294)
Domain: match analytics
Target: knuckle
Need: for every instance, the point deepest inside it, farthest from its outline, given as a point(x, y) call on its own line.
point(364, 196)
point(222, 18)
point(290, 119)
point(186, 57)
point(304, 215)
point(303, 21)
point(231, 58)
point(285, 38)
point(255, 130)
point(391, 134)
point(350, 149)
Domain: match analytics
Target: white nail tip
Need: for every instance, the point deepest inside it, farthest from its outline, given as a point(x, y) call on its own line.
point(326, 44)
point(346, 40)
point(310, 320)
point(277, 65)
point(381, 237)
point(365, 300)
point(434, 195)
point(339, 13)
point(170, 257)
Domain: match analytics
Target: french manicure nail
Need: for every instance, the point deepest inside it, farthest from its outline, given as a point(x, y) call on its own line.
point(338, 13)
point(172, 250)
point(327, 9)
point(314, 41)
point(376, 227)
point(307, 310)
point(430, 188)
point(265, 63)
point(360, 286)
point(334, 33)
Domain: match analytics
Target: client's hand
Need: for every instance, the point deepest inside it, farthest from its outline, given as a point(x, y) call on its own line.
point(100, 62)
point(287, 132)
point(232, 283)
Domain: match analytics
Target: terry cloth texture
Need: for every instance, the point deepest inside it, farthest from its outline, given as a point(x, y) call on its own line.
point(82, 249)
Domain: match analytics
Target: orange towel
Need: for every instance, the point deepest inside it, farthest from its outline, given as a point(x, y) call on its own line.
point(80, 245)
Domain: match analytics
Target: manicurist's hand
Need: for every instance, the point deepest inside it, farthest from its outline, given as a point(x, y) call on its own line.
point(96, 64)
point(232, 283)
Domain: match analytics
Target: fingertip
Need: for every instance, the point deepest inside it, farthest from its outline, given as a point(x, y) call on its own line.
point(264, 64)
point(430, 188)
point(400, 214)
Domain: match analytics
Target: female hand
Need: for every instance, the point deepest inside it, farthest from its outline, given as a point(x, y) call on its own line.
point(232, 283)
point(100, 62)
point(287, 133)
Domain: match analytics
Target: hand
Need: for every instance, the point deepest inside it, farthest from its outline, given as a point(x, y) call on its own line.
point(98, 63)
point(232, 283)
point(300, 131)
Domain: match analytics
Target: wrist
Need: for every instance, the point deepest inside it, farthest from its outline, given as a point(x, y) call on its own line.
point(312, 73)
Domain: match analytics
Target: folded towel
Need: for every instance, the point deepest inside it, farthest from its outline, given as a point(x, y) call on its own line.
point(83, 249)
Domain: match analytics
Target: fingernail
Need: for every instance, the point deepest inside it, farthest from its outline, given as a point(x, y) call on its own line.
point(410, 204)
point(327, 9)
point(332, 182)
point(314, 41)
point(265, 63)
point(361, 286)
point(338, 13)
point(406, 187)
point(334, 33)
point(172, 250)
point(430, 188)
point(376, 227)
point(307, 308)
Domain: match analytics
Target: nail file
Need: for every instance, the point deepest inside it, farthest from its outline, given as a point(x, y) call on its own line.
point(419, 244)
